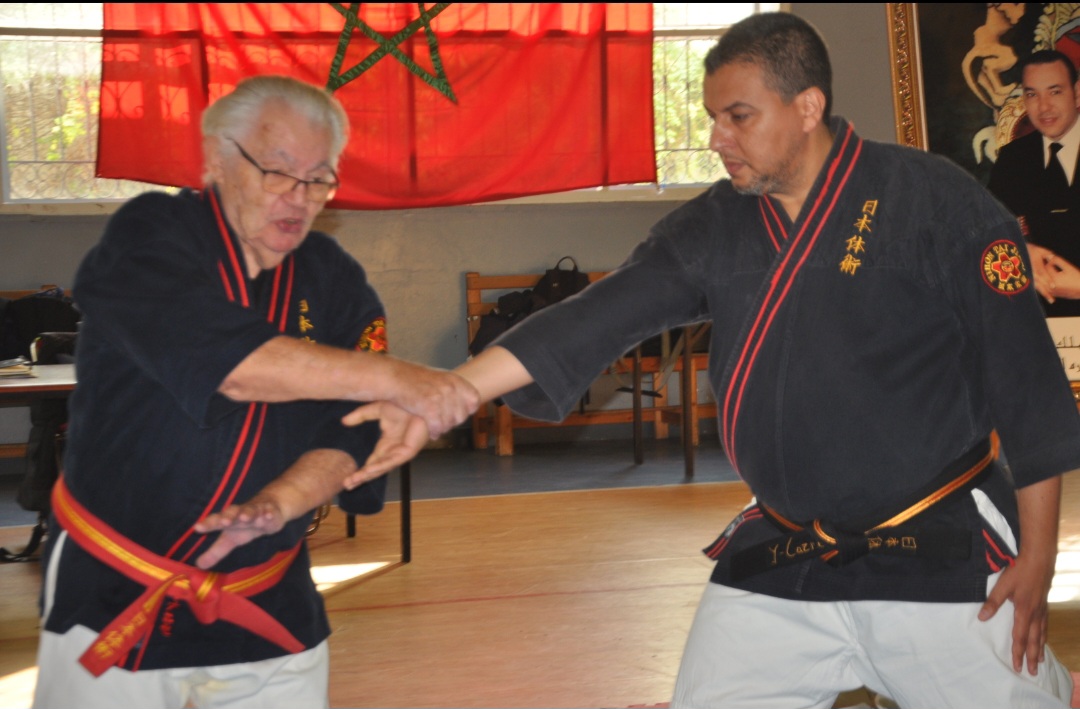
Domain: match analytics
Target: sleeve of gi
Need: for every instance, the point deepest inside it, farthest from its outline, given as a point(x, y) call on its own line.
point(1026, 392)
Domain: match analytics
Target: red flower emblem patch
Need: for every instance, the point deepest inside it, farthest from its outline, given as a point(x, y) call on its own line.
point(373, 338)
point(1003, 269)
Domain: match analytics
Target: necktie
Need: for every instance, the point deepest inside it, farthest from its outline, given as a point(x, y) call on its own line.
point(1054, 170)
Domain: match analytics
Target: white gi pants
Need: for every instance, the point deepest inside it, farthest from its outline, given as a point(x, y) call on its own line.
point(299, 681)
point(751, 651)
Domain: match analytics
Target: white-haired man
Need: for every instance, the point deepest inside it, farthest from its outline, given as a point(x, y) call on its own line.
point(222, 342)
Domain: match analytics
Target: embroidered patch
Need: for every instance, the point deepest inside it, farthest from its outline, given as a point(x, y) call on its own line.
point(373, 338)
point(1003, 269)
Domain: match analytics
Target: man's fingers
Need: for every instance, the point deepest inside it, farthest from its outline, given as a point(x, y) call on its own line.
point(367, 412)
point(1035, 645)
point(993, 602)
point(217, 551)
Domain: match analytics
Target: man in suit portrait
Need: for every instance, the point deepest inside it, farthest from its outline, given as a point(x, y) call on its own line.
point(1035, 176)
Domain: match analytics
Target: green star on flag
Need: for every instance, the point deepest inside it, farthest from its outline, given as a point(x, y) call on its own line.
point(437, 81)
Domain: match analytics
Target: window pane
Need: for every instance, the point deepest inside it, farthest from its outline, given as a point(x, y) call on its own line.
point(56, 16)
point(50, 109)
point(682, 125)
point(685, 16)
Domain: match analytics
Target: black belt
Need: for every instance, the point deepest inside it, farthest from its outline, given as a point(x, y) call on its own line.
point(886, 533)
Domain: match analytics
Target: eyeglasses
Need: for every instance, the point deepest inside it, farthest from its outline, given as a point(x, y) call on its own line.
point(275, 182)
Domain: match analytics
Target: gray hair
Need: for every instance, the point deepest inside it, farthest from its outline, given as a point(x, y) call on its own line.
point(235, 113)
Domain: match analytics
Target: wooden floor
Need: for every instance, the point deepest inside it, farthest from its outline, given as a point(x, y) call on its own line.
point(567, 599)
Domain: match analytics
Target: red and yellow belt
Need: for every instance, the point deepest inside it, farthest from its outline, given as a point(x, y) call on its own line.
point(212, 596)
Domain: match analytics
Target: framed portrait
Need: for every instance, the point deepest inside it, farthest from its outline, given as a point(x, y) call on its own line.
point(956, 76)
point(957, 92)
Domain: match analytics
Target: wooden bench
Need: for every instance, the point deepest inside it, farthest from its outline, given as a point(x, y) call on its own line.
point(492, 421)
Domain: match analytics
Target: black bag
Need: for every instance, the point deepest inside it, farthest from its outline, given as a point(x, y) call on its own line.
point(509, 310)
point(27, 317)
point(558, 284)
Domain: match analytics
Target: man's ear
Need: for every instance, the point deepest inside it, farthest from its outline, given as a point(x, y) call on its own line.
point(1076, 94)
point(811, 103)
point(213, 160)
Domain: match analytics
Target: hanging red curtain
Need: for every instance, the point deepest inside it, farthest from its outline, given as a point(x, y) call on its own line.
point(450, 103)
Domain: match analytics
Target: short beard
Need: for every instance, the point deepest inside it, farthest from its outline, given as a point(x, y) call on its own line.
point(777, 180)
point(760, 185)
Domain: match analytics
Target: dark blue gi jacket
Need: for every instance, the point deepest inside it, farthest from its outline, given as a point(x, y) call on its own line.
point(150, 438)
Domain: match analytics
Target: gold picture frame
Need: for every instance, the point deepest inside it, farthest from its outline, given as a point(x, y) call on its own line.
point(906, 74)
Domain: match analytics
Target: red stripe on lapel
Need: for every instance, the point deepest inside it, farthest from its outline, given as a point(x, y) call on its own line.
point(782, 279)
point(765, 204)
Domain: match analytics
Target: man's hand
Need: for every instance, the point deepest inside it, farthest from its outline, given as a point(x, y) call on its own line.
point(403, 436)
point(1026, 585)
point(442, 399)
point(1027, 582)
point(239, 524)
point(1054, 276)
point(314, 478)
point(287, 369)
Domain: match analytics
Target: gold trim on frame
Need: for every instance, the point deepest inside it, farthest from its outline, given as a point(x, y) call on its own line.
point(906, 74)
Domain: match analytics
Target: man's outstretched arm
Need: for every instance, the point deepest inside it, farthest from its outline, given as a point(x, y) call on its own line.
point(287, 369)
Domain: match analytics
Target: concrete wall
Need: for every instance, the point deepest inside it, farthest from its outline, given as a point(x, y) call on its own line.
point(417, 258)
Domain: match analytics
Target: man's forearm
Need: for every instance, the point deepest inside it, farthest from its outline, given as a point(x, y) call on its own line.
point(312, 480)
point(1039, 508)
point(494, 372)
point(288, 369)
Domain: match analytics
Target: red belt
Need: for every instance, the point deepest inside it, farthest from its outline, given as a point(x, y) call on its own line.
point(212, 596)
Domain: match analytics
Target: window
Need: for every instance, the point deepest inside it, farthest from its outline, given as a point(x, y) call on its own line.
point(49, 104)
point(50, 58)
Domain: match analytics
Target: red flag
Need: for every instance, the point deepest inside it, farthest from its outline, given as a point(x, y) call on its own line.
point(449, 103)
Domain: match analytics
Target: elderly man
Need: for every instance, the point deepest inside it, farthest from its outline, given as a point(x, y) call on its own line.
point(222, 343)
point(1035, 176)
point(873, 324)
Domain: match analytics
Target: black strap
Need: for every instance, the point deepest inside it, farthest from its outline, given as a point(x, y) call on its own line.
point(841, 544)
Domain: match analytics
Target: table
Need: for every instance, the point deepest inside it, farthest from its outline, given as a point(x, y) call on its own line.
point(53, 381)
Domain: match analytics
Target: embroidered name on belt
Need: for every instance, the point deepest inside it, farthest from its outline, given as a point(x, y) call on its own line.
point(838, 547)
point(1003, 269)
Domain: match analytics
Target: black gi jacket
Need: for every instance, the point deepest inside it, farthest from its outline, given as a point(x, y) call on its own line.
point(854, 354)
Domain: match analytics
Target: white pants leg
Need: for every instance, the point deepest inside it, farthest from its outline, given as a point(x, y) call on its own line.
point(751, 651)
point(299, 681)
